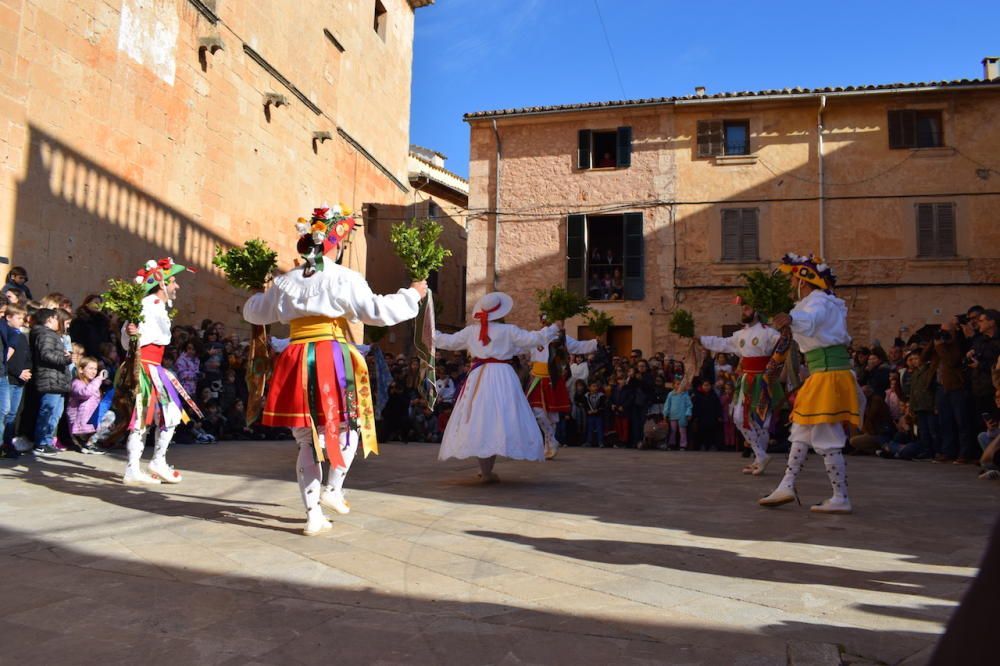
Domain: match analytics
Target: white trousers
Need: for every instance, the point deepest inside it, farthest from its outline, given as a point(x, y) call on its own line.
point(827, 439)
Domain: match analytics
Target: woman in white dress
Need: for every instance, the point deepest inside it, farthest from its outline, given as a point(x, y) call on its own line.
point(491, 416)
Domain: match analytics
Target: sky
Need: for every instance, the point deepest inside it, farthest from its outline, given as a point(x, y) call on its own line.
point(477, 55)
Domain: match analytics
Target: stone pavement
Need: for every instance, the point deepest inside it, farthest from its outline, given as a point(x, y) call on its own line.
point(598, 557)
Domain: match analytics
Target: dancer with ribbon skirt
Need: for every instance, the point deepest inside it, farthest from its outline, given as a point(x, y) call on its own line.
point(160, 400)
point(491, 416)
point(320, 387)
point(755, 394)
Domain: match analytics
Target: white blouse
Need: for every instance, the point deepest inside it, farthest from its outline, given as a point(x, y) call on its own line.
point(334, 292)
point(754, 340)
point(820, 320)
point(155, 327)
point(506, 340)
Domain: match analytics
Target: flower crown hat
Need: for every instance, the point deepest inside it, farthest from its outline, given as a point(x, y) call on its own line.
point(156, 273)
point(811, 269)
point(322, 234)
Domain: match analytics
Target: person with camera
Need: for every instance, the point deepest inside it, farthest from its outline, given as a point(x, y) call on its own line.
point(982, 358)
point(84, 397)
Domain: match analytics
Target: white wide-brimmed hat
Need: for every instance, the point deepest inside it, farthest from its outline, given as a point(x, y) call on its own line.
point(495, 304)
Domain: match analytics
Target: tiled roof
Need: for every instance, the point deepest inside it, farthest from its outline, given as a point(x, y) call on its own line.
point(783, 92)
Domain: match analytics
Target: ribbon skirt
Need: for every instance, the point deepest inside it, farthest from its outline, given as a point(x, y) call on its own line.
point(160, 398)
point(322, 385)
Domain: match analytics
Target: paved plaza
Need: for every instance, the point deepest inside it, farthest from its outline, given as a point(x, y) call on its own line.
point(597, 557)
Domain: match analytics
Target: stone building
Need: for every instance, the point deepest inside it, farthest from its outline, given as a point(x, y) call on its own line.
point(132, 129)
point(439, 195)
point(650, 205)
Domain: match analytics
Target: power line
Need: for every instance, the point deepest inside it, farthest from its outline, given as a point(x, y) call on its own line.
point(607, 40)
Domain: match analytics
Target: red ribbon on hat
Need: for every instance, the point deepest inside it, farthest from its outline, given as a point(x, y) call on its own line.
point(484, 319)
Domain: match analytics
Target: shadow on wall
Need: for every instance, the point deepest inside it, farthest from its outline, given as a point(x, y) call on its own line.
point(76, 224)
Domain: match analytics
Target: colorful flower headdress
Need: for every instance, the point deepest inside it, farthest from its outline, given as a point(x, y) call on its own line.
point(811, 269)
point(322, 233)
point(156, 273)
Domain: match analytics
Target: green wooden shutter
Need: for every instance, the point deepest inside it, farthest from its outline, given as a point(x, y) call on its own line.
point(583, 150)
point(576, 254)
point(624, 156)
point(635, 289)
point(748, 235)
point(925, 230)
point(945, 241)
point(731, 234)
point(711, 138)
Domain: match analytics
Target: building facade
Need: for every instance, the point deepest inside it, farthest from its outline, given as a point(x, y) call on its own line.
point(648, 206)
point(439, 195)
point(136, 129)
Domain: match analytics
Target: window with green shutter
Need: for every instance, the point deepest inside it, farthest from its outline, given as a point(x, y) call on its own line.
point(604, 149)
point(740, 234)
point(605, 256)
point(936, 230)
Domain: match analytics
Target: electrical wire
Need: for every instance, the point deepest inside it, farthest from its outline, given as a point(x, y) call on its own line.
point(607, 40)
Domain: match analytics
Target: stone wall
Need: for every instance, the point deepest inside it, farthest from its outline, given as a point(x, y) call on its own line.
point(121, 140)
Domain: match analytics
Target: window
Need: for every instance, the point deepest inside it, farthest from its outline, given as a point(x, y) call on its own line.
point(915, 129)
point(433, 210)
point(604, 259)
point(723, 137)
point(739, 234)
point(381, 16)
point(605, 149)
point(936, 230)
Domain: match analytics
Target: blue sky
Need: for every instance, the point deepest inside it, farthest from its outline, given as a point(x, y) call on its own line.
point(474, 55)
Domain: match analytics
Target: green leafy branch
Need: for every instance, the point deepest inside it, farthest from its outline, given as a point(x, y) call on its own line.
point(682, 323)
point(558, 304)
point(767, 293)
point(123, 299)
point(599, 322)
point(249, 267)
point(416, 244)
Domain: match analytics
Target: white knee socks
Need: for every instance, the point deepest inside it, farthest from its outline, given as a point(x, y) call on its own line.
point(348, 448)
point(796, 458)
point(836, 470)
point(134, 445)
point(163, 439)
point(308, 472)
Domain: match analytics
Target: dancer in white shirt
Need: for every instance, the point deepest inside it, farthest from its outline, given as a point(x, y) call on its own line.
point(319, 387)
point(491, 416)
point(755, 395)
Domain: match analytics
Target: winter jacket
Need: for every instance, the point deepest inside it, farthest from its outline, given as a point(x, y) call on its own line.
point(949, 364)
point(49, 361)
point(678, 407)
point(21, 360)
point(83, 400)
point(706, 408)
point(90, 329)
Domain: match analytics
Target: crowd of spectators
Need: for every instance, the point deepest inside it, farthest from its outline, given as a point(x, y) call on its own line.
point(935, 396)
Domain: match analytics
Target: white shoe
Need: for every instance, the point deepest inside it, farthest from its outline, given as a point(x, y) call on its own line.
point(335, 501)
point(778, 497)
point(139, 478)
point(832, 505)
point(551, 452)
point(164, 472)
point(317, 525)
point(759, 467)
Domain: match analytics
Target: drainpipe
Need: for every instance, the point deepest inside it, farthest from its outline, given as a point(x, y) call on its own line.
point(496, 215)
point(819, 137)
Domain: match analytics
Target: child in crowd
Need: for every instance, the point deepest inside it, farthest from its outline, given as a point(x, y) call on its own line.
point(621, 405)
point(728, 427)
point(189, 368)
point(707, 414)
point(84, 397)
point(596, 406)
point(677, 410)
point(17, 357)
